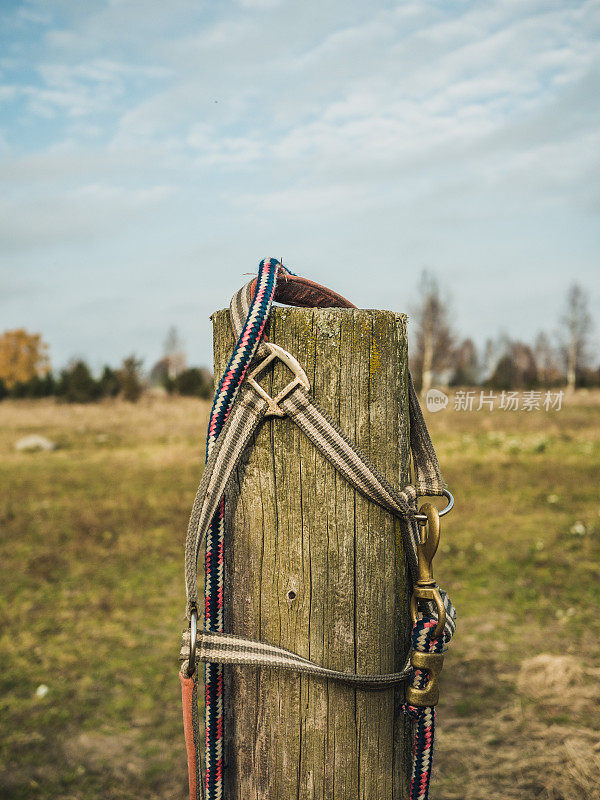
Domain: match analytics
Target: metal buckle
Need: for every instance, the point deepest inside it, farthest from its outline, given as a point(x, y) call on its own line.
point(299, 379)
point(193, 642)
point(421, 518)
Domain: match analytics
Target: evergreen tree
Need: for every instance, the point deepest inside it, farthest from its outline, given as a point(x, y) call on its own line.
point(130, 378)
point(109, 383)
point(77, 384)
point(195, 382)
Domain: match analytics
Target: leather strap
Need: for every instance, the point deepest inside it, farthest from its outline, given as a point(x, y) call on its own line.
point(191, 732)
point(294, 290)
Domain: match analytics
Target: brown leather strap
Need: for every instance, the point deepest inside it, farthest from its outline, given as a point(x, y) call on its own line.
point(191, 730)
point(294, 290)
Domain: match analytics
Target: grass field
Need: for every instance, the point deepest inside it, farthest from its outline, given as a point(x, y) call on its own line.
point(92, 599)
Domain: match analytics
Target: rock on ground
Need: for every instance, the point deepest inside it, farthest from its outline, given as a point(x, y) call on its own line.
point(34, 442)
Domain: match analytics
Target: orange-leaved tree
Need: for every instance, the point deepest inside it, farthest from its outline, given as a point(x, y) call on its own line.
point(23, 355)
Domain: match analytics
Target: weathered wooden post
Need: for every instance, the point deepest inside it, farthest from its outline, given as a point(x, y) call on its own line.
point(313, 566)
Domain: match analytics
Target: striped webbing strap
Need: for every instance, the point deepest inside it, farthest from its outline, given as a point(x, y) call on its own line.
point(224, 648)
point(237, 412)
point(257, 307)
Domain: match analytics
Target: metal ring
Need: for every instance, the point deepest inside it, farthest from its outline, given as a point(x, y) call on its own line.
point(193, 642)
point(450, 497)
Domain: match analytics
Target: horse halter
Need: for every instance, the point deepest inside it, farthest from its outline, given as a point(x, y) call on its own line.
point(240, 406)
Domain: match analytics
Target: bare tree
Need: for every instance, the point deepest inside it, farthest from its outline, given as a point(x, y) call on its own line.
point(545, 359)
point(174, 353)
point(434, 338)
point(466, 364)
point(516, 367)
point(490, 358)
point(495, 350)
point(574, 337)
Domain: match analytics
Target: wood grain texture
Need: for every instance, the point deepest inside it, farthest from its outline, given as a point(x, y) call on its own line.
point(316, 568)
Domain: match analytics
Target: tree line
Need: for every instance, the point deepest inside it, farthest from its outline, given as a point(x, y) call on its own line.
point(25, 373)
point(564, 357)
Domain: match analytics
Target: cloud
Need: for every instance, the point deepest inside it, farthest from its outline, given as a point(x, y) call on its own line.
point(82, 89)
point(79, 215)
point(8, 92)
point(447, 133)
point(382, 91)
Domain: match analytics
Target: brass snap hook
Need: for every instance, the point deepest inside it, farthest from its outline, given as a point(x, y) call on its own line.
point(426, 589)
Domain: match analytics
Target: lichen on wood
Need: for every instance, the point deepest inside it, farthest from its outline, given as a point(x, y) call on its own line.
point(313, 566)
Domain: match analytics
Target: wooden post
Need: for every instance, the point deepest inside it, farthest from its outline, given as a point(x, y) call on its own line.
point(314, 567)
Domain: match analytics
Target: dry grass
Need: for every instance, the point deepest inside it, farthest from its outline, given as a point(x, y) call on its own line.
point(519, 715)
point(92, 600)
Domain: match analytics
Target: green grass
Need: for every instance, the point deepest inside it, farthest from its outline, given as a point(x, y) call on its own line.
point(92, 599)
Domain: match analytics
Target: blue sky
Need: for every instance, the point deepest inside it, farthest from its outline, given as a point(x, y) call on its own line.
point(152, 153)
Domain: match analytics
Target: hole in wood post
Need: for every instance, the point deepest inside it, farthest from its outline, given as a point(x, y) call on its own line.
point(291, 595)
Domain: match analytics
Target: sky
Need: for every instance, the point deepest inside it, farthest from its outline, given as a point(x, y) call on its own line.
point(152, 153)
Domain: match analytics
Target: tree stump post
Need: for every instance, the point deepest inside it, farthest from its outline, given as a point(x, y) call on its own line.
point(314, 567)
